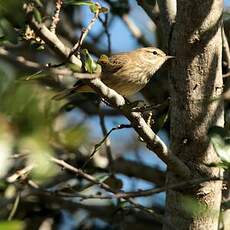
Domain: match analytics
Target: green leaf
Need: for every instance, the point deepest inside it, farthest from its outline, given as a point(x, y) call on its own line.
point(222, 165)
point(38, 75)
point(89, 64)
point(93, 6)
point(73, 67)
point(39, 3)
point(2, 39)
point(8, 31)
point(12, 225)
point(37, 15)
point(220, 139)
point(79, 3)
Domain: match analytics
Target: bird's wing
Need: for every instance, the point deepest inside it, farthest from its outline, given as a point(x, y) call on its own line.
point(114, 63)
point(110, 66)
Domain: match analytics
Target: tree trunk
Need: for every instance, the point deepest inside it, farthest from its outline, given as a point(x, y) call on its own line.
point(196, 78)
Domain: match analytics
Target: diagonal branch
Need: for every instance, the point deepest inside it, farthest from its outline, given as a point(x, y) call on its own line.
point(106, 187)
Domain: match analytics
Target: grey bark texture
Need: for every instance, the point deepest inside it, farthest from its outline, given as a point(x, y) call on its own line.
point(195, 78)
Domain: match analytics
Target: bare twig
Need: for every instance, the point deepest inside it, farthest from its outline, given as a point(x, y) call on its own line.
point(80, 173)
point(18, 156)
point(226, 75)
point(14, 208)
point(53, 42)
point(56, 17)
point(30, 65)
point(83, 35)
point(107, 142)
point(20, 173)
point(105, 25)
point(98, 146)
point(67, 29)
point(104, 186)
point(143, 193)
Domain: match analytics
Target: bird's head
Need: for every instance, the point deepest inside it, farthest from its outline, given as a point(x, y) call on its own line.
point(153, 58)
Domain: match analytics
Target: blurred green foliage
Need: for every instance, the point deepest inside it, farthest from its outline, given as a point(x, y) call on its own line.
point(29, 109)
point(12, 225)
point(11, 19)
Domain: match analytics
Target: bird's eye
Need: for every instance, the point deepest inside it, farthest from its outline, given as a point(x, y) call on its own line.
point(154, 52)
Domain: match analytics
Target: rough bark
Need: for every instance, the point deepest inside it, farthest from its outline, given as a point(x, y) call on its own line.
point(195, 79)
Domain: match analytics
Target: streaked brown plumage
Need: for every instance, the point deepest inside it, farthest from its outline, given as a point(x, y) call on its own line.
point(126, 73)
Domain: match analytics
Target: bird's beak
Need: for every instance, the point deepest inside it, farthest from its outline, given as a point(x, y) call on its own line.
point(170, 57)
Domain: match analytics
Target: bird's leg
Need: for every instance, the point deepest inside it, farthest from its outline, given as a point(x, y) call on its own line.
point(146, 108)
point(132, 105)
point(106, 102)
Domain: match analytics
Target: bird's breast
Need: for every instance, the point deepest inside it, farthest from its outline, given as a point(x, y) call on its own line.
point(126, 84)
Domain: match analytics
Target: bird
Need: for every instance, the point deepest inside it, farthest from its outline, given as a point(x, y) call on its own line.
point(126, 73)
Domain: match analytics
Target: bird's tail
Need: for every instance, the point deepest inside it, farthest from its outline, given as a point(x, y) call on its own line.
point(77, 88)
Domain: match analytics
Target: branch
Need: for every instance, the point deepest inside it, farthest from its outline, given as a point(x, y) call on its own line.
point(104, 140)
point(84, 33)
point(107, 188)
point(31, 65)
point(138, 170)
point(107, 141)
point(136, 32)
point(226, 52)
point(167, 18)
point(67, 29)
point(53, 42)
point(153, 142)
point(56, 17)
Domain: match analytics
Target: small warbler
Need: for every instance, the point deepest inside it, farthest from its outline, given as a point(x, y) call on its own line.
point(126, 73)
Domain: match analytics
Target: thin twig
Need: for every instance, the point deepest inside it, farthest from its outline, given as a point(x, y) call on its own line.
point(18, 156)
point(98, 145)
point(20, 173)
point(143, 193)
point(105, 25)
point(14, 208)
point(56, 17)
point(107, 141)
point(107, 188)
point(81, 173)
point(83, 35)
point(31, 65)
